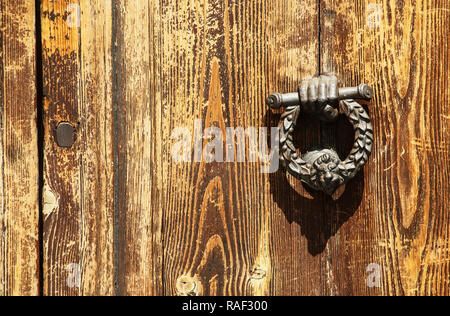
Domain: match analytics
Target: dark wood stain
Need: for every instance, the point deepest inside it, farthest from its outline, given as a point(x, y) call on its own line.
point(19, 210)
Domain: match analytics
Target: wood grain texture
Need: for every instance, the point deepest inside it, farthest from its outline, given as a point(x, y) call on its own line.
point(198, 228)
point(206, 228)
point(78, 210)
point(402, 223)
point(138, 104)
point(126, 218)
point(19, 202)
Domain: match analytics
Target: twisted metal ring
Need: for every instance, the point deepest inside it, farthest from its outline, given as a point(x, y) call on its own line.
point(323, 169)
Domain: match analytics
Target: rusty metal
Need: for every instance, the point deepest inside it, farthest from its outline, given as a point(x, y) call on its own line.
point(65, 135)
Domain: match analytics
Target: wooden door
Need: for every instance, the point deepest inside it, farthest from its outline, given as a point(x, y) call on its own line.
point(96, 94)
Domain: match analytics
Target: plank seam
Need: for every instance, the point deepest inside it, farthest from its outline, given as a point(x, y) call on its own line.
point(41, 136)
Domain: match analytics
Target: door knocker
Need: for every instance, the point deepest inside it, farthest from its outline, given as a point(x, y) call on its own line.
point(321, 96)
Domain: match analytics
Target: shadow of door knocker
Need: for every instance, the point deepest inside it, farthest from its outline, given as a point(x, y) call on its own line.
point(321, 96)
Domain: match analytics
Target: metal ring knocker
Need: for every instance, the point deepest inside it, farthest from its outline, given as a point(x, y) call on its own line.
point(323, 169)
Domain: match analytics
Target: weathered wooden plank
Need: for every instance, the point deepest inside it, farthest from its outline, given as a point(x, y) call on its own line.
point(296, 230)
point(19, 211)
point(401, 221)
point(78, 191)
point(214, 227)
point(138, 138)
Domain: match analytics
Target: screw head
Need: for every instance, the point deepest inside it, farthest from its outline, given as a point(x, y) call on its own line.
point(65, 135)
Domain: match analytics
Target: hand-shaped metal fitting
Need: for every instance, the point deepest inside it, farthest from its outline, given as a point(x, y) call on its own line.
point(323, 169)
